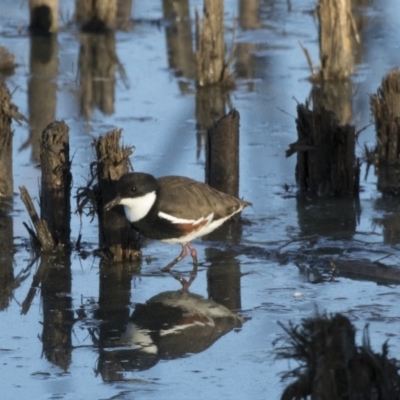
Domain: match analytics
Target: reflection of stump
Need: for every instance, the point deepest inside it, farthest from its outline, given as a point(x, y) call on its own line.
point(334, 218)
point(58, 314)
point(42, 89)
point(56, 182)
point(249, 14)
point(246, 60)
point(391, 227)
point(326, 163)
point(44, 15)
point(97, 63)
point(223, 278)
point(385, 106)
point(211, 65)
point(123, 15)
point(336, 29)
point(96, 15)
point(179, 37)
point(113, 312)
point(116, 234)
point(222, 166)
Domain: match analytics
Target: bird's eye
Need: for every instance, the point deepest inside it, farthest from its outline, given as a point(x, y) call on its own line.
point(133, 188)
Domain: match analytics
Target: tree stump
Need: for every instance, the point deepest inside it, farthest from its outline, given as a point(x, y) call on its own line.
point(44, 16)
point(55, 193)
point(222, 164)
point(7, 61)
point(326, 162)
point(6, 135)
point(210, 106)
point(385, 107)
point(335, 96)
point(116, 235)
point(210, 44)
point(41, 237)
point(332, 367)
point(8, 111)
point(7, 279)
point(53, 227)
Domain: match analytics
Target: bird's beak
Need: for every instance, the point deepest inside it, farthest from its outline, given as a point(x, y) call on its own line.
point(112, 203)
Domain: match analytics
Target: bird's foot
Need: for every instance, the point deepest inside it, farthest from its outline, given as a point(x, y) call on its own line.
point(168, 267)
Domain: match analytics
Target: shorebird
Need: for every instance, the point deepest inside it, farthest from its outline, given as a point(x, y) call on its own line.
point(173, 209)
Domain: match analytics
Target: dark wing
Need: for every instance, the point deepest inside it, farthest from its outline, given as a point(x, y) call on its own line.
point(189, 199)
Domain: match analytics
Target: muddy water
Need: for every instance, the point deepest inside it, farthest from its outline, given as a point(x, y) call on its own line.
point(77, 339)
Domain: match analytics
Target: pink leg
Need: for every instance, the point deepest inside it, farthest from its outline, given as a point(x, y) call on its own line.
point(193, 252)
point(181, 256)
point(185, 283)
point(177, 259)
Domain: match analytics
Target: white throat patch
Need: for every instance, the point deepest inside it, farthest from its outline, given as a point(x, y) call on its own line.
point(138, 207)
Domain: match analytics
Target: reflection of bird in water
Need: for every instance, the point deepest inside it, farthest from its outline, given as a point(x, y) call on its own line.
point(173, 324)
point(173, 209)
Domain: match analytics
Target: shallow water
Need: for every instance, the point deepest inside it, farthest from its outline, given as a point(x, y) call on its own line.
point(71, 344)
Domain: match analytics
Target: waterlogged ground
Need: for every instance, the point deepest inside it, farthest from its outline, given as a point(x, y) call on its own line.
point(78, 339)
